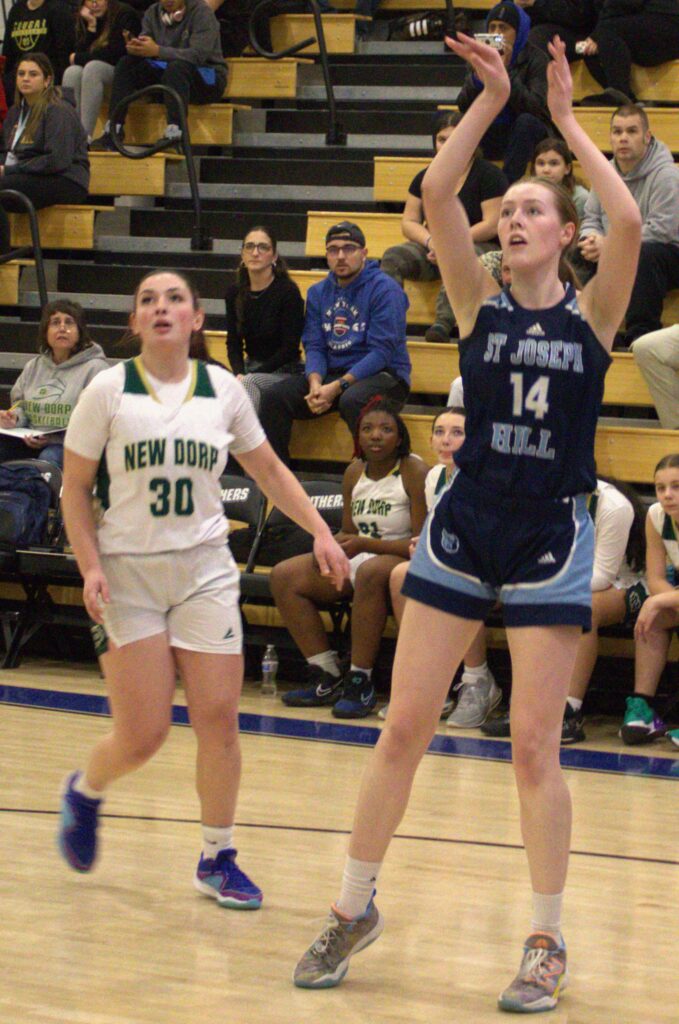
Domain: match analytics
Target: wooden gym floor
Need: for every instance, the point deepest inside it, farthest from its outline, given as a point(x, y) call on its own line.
point(133, 943)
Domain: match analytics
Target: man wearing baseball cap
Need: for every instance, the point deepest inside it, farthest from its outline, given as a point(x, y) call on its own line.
point(354, 339)
point(524, 121)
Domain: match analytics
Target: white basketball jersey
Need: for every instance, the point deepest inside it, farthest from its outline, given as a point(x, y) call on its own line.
point(160, 462)
point(668, 531)
point(381, 508)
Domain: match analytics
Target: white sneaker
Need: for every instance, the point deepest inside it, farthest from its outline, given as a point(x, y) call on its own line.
point(445, 710)
point(478, 697)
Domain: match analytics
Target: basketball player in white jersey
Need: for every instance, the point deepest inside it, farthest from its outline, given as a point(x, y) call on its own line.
point(154, 436)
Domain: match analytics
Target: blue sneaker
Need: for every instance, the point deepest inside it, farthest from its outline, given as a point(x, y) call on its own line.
point(358, 697)
point(78, 829)
point(325, 689)
point(222, 880)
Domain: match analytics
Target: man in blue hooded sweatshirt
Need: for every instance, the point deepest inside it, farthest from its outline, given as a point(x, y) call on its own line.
point(354, 339)
point(524, 121)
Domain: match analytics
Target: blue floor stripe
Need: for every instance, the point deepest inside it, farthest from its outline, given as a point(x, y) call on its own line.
point(358, 735)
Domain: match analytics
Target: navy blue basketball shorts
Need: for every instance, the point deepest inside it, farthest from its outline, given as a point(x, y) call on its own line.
point(534, 557)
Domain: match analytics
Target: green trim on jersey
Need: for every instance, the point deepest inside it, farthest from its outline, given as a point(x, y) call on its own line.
point(668, 529)
point(203, 388)
point(134, 381)
point(103, 482)
point(138, 383)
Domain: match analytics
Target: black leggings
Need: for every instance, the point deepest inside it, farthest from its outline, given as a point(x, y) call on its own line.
point(645, 39)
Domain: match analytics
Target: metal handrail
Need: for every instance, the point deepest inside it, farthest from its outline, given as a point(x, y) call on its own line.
point(335, 135)
point(199, 239)
point(35, 249)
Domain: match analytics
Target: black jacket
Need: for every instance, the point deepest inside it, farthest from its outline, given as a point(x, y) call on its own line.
point(528, 80)
point(114, 49)
point(577, 15)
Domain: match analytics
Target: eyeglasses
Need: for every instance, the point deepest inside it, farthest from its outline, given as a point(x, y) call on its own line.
point(67, 322)
point(259, 246)
point(335, 250)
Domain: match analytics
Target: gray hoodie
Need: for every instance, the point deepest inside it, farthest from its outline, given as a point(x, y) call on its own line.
point(654, 183)
point(48, 392)
point(194, 39)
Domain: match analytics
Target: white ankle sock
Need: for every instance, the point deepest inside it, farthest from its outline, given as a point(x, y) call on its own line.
point(357, 668)
point(328, 661)
point(547, 912)
point(80, 786)
point(358, 885)
point(216, 839)
point(574, 703)
point(475, 675)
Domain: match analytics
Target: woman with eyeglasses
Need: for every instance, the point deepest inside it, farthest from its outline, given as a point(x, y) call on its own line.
point(264, 317)
point(100, 28)
point(49, 385)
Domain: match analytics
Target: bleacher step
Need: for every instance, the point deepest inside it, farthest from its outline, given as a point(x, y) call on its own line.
point(156, 243)
point(292, 193)
point(279, 140)
point(388, 94)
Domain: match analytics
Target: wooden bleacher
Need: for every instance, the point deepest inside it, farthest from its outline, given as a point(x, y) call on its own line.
point(61, 227)
point(210, 124)
point(436, 366)
point(114, 174)
point(660, 83)
point(339, 31)
point(9, 281)
point(259, 78)
point(628, 453)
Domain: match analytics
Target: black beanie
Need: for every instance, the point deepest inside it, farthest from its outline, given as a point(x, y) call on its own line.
point(507, 12)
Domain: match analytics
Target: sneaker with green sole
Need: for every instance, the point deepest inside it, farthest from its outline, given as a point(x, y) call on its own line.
point(542, 977)
point(327, 960)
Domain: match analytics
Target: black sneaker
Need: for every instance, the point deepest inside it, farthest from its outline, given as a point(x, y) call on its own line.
point(607, 98)
point(572, 730)
point(358, 697)
point(437, 334)
point(325, 689)
point(498, 728)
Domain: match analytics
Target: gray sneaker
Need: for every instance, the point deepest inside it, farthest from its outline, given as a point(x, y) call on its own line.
point(542, 977)
point(477, 700)
point(326, 961)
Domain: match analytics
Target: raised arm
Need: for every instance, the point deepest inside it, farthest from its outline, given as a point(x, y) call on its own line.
point(467, 283)
point(605, 298)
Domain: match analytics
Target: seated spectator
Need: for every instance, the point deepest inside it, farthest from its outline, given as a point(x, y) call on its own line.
point(354, 339)
point(659, 616)
point(45, 143)
point(179, 46)
point(49, 385)
point(644, 32)
point(37, 26)
point(657, 356)
point(513, 135)
point(618, 592)
point(480, 190)
point(264, 317)
point(383, 507)
point(553, 159)
point(571, 20)
point(479, 694)
point(99, 45)
point(647, 168)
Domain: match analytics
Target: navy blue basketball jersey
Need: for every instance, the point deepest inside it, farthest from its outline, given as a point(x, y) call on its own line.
point(533, 383)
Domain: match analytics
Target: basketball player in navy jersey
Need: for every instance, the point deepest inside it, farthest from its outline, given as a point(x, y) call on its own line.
point(513, 525)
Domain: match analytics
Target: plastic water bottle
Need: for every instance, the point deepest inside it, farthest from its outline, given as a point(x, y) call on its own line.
point(269, 671)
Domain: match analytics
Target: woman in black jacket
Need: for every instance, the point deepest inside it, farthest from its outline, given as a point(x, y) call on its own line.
point(99, 45)
point(644, 32)
point(264, 317)
point(45, 144)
